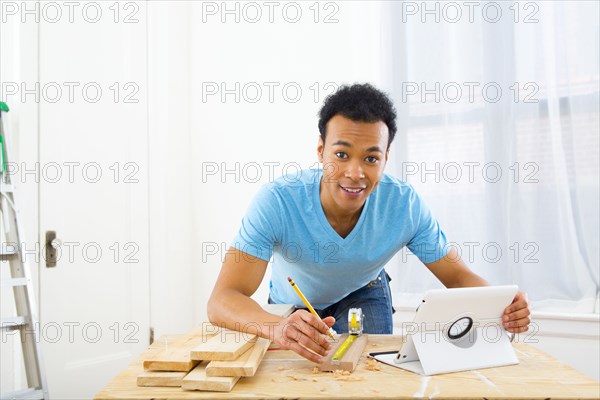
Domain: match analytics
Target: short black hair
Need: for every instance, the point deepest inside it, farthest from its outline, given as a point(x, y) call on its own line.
point(360, 103)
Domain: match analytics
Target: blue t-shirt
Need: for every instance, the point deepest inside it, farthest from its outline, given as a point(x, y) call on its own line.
point(286, 221)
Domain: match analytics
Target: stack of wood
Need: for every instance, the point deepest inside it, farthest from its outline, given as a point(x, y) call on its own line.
point(208, 358)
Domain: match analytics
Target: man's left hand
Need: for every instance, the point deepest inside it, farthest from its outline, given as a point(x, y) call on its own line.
point(516, 317)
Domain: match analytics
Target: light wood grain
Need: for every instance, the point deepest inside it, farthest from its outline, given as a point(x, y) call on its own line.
point(284, 374)
point(350, 359)
point(198, 380)
point(160, 378)
point(175, 356)
point(244, 365)
point(227, 345)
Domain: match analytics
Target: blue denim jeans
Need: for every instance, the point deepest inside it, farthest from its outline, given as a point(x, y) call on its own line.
point(375, 299)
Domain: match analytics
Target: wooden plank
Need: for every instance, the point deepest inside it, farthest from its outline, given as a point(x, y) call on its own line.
point(244, 365)
point(350, 358)
point(198, 380)
point(175, 356)
point(282, 310)
point(160, 379)
point(225, 346)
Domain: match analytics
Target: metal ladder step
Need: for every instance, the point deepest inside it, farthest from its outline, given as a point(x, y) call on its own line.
point(7, 188)
point(8, 252)
point(13, 323)
point(8, 257)
point(26, 394)
point(8, 249)
point(14, 282)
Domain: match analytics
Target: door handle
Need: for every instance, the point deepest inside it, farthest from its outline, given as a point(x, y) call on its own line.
point(51, 249)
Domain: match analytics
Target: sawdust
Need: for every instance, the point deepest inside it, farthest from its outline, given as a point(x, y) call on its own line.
point(282, 368)
point(350, 378)
point(342, 375)
point(315, 370)
point(296, 378)
point(341, 372)
point(373, 365)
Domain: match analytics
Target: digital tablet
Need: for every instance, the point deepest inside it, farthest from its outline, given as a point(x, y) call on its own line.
point(455, 330)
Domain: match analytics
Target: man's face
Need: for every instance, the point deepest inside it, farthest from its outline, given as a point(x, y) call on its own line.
point(353, 157)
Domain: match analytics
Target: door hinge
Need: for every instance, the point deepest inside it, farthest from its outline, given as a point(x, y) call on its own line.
point(151, 336)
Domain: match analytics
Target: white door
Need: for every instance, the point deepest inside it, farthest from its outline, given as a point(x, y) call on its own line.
point(94, 306)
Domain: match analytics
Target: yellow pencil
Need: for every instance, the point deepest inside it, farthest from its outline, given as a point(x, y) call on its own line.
point(305, 301)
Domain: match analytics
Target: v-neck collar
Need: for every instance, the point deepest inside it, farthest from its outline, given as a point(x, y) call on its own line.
point(323, 218)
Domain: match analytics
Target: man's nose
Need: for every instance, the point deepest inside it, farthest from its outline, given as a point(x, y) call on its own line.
point(355, 172)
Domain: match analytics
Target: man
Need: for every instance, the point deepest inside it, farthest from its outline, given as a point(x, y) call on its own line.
point(333, 230)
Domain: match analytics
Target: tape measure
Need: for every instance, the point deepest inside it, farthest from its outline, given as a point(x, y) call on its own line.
point(355, 328)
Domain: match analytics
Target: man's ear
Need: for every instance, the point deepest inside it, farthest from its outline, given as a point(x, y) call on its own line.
point(320, 147)
point(387, 154)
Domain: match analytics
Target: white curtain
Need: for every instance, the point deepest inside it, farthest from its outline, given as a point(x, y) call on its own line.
point(513, 177)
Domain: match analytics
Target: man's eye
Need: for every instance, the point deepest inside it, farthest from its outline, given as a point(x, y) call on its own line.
point(341, 154)
point(372, 160)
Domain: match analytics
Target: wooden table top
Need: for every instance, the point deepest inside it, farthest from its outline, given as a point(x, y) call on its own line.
point(284, 374)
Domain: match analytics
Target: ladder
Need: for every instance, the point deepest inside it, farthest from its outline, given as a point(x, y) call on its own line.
point(25, 321)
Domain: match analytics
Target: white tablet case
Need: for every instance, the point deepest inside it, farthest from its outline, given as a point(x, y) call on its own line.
point(457, 330)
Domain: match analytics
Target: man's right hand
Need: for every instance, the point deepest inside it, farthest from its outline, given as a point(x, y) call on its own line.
point(230, 306)
point(301, 332)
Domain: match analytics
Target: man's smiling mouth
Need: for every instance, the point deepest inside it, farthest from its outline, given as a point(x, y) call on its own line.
point(352, 190)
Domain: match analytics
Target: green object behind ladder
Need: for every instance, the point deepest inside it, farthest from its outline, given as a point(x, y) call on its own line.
point(3, 107)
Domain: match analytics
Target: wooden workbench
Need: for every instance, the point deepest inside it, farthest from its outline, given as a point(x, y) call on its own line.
point(283, 374)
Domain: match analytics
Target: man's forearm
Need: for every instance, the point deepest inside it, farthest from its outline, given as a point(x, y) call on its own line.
point(471, 279)
point(453, 272)
point(236, 311)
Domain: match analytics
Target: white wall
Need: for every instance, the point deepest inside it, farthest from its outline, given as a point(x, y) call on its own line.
point(170, 190)
point(574, 339)
point(196, 135)
point(229, 133)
